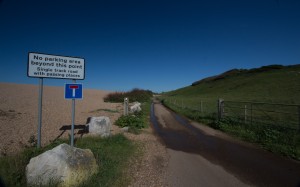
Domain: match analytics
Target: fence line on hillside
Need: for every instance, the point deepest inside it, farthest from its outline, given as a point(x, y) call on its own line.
point(280, 115)
point(263, 113)
point(182, 104)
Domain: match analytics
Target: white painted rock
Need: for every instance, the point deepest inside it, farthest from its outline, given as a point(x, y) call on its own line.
point(125, 129)
point(136, 107)
point(62, 166)
point(100, 126)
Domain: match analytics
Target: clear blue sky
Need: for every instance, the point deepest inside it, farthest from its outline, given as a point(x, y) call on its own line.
point(151, 44)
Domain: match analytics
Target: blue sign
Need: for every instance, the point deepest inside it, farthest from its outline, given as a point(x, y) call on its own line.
point(73, 91)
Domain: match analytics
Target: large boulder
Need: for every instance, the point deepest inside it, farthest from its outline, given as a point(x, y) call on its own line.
point(136, 107)
point(62, 166)
point(99, 126)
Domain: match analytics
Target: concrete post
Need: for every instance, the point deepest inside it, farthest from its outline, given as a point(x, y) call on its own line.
point(126, 101)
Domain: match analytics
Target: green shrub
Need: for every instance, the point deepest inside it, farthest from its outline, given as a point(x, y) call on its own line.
point(131, 121)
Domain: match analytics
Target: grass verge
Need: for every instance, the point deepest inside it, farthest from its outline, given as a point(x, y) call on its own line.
point(285, 142)
point(107, 152)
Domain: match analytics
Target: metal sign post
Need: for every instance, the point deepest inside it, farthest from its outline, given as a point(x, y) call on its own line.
point(40, 107)
point(73, 117)
point(73, 91)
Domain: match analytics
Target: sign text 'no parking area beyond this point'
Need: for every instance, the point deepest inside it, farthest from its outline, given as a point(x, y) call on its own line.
point(54, 66)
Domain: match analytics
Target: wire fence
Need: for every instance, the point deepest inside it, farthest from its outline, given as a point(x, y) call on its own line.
point(259, 113)
point(279, 115)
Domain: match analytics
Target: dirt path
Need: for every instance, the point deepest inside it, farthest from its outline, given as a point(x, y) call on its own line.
point(205, 157)
point(150, 169)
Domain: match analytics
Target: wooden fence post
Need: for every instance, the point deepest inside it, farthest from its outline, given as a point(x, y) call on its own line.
point(251, 113)
point(245, 114)
point(201, 109)
point(299, 116)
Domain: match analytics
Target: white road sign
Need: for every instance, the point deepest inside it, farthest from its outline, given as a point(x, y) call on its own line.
point(53, 66)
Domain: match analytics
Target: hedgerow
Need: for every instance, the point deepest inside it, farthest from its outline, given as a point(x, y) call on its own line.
point(135, 94)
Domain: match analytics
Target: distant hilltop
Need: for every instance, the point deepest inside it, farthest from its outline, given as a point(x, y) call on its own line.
point(235, 72)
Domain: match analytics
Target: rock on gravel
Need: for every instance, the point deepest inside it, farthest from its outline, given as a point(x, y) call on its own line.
point(63, 165)
point(99, 126)
point(136, 107)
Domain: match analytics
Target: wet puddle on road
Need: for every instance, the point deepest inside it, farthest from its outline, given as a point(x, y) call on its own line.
point(188, 138)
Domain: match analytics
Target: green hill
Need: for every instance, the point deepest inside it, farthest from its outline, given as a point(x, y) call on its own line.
point(274, 84)
point(251, 109)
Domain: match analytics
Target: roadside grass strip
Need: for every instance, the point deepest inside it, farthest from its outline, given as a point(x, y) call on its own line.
point(112, 155)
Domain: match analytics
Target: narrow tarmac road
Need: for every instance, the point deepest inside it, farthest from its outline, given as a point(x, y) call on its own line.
point(201, 156)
